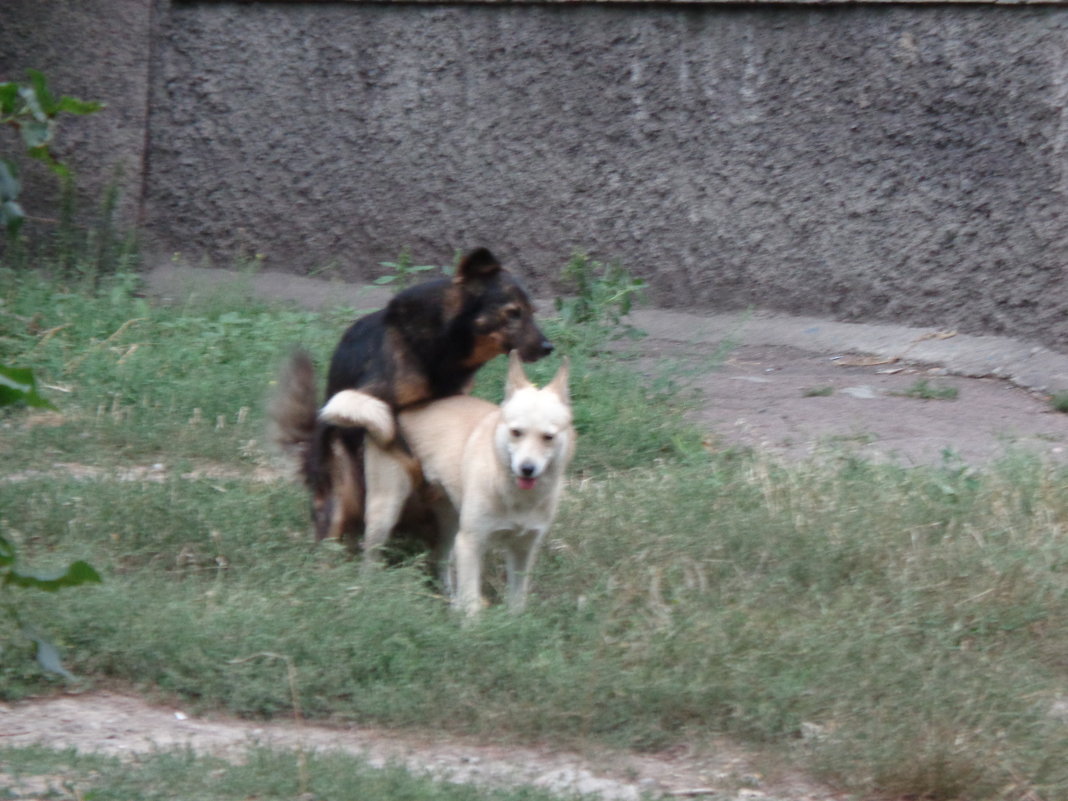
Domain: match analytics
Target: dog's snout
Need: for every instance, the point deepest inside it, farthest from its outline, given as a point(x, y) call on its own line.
point(537, 348)
point(527, 469)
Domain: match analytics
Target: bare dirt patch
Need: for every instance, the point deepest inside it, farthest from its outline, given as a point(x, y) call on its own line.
point(798, 404)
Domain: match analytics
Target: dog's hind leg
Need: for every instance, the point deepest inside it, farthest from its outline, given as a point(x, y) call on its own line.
point(388, 485)
point(340, 501)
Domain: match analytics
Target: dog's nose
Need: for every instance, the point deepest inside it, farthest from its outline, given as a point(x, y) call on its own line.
point(546, 347)
point(527, 469)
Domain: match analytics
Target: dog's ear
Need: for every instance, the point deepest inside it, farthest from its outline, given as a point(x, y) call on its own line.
point(477, 265)
point(517, 377)
point(559, 382)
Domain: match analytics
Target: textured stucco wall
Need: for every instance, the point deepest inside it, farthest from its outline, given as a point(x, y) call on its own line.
point(93, 51)
point(882, 162)
point(867, 162)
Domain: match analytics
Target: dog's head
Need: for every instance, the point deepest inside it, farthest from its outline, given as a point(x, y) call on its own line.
point(503, 315)
point(534, 436)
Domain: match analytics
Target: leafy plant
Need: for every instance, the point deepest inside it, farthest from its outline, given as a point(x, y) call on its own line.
point(603, 295)
point(403, 272)
point(17, 385)
point(32, 110)
point(1059, 402)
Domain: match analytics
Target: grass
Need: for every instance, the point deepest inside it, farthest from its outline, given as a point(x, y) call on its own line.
point(260, 773)
point(141, 383)
point(922, 389)
point(911, 617)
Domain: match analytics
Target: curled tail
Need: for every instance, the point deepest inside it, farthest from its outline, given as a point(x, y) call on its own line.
point(351, 408)
point(293, 414)
point(327, 446)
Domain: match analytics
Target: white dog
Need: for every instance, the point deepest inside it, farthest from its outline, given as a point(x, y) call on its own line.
point(499, 472)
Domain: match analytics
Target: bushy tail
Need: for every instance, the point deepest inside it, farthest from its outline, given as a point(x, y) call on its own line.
point(351, 408)
point(293, 409)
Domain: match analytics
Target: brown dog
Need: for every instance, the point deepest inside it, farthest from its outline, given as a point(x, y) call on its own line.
point(427, 343)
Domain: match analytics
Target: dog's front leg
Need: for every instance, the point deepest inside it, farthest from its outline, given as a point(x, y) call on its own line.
point(519, 563)
point(448, 522)
point(468, 553)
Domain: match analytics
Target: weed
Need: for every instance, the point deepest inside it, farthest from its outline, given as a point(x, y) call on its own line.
point(1059, 402)
point(818, 392)
point(404, 273)
point(594, 315)
point(32, 109)
point(924, 390)
point(18, 386)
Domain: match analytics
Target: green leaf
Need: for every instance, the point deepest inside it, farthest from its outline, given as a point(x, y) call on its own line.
point(36, 134)
point(9, 95)
point(7, 552)
point(76, 573)
point(32, 103)
point(11, 217)
point(47, 653)
point(46, 102)
point(9, 180)
point(43, 154)
point(48, 659)
point(18, 385)
point(72, 105)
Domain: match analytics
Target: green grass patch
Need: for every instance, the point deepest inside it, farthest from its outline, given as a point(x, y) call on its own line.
point(142, 383)
point(897, 632)
point(923, 389)
point(40, 772)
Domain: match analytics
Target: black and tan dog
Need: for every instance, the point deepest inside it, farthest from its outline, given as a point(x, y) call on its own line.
point(427, 343)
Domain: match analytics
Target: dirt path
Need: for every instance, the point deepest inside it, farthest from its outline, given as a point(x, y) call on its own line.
point(124, 726)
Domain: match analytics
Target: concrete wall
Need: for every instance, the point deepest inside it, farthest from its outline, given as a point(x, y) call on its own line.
point(881, 162)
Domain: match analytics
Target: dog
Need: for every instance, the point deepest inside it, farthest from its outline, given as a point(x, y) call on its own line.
point(494, 474)
point(427, 343)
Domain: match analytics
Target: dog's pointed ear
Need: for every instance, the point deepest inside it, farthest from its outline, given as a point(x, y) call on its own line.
point(559, 382)
point(517, 376)
point(477, 265)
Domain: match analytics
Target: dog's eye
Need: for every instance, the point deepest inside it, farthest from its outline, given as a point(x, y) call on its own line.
point(547, 437)
point(514, 312)
point(516, 433)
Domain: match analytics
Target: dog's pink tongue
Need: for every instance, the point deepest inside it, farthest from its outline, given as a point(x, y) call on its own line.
point(525, 483)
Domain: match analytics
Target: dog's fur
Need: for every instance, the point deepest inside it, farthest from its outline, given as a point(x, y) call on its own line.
point(427, 343)
point(498, 470)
